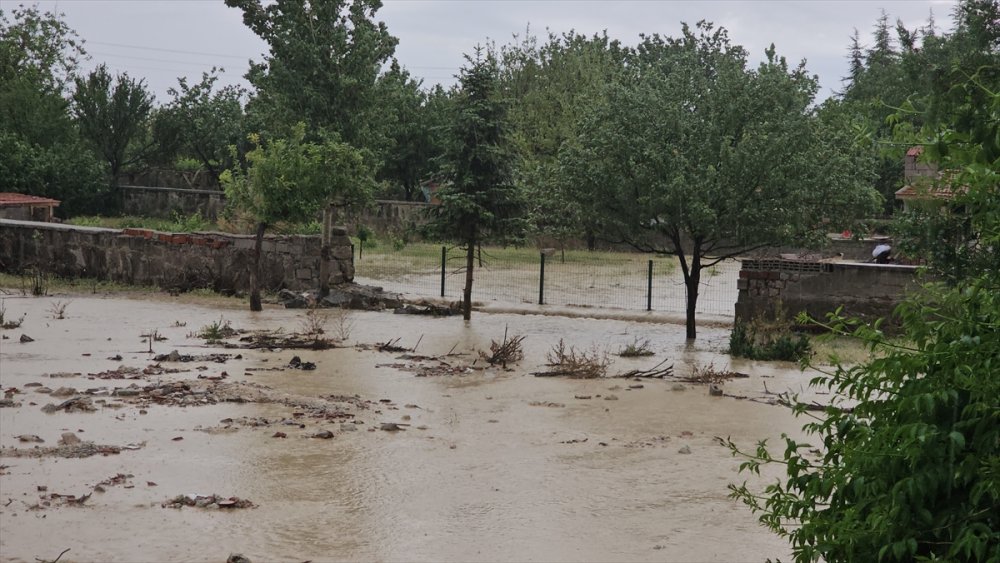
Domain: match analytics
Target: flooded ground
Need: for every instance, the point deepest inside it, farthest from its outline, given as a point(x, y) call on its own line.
point(488, 465)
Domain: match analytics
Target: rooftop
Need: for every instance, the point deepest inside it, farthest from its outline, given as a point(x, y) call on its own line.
point(10, 199)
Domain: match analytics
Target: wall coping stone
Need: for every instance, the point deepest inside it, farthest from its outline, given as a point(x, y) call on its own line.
point(57, 226)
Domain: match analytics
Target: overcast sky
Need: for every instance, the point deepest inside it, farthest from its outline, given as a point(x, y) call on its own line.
point(160, 40)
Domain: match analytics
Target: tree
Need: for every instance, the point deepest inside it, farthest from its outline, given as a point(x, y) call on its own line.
point(910, 461)
point(325, 58)
point(112, 114)
point(413, 125)
point(695, 155)
point(292, 180)
point(41, 152)
point(479, 201)
point(201, 123)
point(551, 86)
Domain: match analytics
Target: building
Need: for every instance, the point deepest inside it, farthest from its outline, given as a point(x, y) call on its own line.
point(25, 207)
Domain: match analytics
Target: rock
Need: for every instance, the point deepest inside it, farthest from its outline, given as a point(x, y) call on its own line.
point(684, 450)
point(348, 427)
point(324, 435)
point(30, 438)
point(45, 390)
point(69, 439)
point(678, 387)
point(237, 558)
point(25, 338)
point(715, 390)
point(636, 386)
point(292, 300)
point(279, 435)
point(64, 392)
point(610, 397)
point(390, 427)
point(9, 403)
point(173, 356)
point(581, 397)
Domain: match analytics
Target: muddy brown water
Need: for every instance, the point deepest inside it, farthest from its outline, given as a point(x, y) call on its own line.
point(481, 473)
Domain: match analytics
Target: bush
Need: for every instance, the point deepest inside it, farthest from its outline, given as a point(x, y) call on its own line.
point(759, 340)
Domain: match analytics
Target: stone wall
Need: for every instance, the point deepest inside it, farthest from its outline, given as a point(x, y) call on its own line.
point(218, 261)
point(165, 202)
point(864, 290)
point(391, 217)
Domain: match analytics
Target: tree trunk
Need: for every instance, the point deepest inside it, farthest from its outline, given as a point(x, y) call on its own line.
point(692, 281)
point(255, 304)
point(470, 262)
point(324, 253)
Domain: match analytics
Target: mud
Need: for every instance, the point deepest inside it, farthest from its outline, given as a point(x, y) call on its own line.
point(361, 459)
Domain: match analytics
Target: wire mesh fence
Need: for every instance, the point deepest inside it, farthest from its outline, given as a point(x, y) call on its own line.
point(614, 280)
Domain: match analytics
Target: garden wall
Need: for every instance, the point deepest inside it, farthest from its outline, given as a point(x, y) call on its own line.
point(173, 261)
point(864, 290)
point(165, 202)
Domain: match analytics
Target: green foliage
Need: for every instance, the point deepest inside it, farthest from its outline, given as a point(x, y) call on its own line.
point(324, 61)
point(42, 153)
point(112, 114)
point(757, 340)
point(201, 124)
point(413, 127)
point(959, 237)
point(909, 466)
point(692, 153)
point(551, 85)
point(292, 180)
point(479, 202)
point(38, 48)
point(913, 470)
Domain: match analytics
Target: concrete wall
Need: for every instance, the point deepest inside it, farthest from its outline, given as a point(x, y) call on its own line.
point(164, 202)
point(864, 290)
point(183, 261)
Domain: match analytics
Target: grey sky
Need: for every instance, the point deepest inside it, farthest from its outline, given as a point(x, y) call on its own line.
point(160, 40)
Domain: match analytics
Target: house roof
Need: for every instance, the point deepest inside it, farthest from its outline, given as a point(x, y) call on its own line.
point(913, 192)
point(10, 199)
point(915, 151)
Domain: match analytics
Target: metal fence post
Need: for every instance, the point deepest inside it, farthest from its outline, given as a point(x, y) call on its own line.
point(649, 287)
point(541, 279)
point(444, 260)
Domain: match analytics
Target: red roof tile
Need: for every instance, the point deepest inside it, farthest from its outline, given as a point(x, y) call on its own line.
point(915, 151)
point(9, 199)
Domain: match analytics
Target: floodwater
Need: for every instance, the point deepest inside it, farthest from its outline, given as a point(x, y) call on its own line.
point(495, 465)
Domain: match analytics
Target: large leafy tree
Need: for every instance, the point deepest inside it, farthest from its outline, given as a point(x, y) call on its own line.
point(41, 152)
point(909, 468)
point(696, 155)
point(414, 124)
point(291, 180)
point(202, 122)
point(113, 113)
point(551, 84)
point(324, 62)
point(480, 201)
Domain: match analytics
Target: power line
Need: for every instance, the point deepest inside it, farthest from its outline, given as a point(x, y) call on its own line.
point(171, 61)
point(244, 57)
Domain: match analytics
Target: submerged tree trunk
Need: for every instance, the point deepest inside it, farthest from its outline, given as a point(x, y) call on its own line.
point(470, 262)
point(692, 281)
point(255, 304)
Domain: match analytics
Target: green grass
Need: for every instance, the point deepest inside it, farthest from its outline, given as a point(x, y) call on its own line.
point(179, 223)
point(390, 260)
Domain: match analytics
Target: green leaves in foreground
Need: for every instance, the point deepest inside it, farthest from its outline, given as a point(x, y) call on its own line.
point(912, 471)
